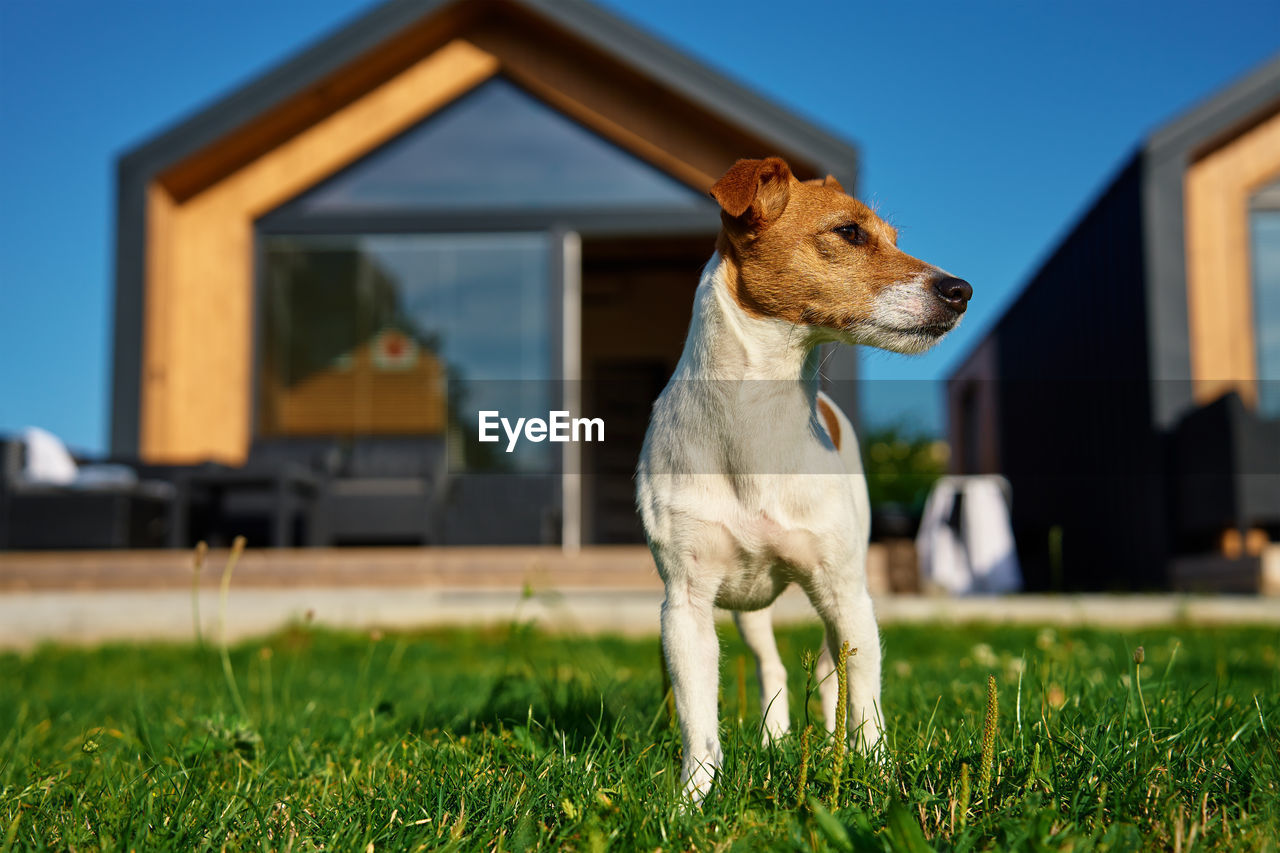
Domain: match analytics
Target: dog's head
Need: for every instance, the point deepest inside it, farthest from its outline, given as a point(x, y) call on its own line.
point(808, 253)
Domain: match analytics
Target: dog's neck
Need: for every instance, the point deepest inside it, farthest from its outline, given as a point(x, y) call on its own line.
point(725, 342)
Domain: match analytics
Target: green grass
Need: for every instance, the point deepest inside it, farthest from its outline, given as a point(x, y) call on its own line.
point(516, 740)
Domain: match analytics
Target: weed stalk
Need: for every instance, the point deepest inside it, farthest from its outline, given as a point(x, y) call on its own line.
point(804, 766)
point(842, 723)
point(988, 739)
point(807, 662)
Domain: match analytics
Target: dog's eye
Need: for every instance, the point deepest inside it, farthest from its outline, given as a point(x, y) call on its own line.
point(852, 232)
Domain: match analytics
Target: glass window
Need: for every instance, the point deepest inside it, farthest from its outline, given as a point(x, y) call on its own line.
point(1264, 228)
point(496, 148)
point(407, 334)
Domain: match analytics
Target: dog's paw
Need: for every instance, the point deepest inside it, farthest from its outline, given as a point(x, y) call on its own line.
point(875, 748)
point(698, 778)
point(695, 791)
point(774, 730)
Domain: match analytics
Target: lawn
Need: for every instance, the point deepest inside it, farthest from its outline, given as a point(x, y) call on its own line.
point(510, 739)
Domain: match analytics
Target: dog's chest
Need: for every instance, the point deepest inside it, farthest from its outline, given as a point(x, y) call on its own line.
point(766, 555)
point(748, 544)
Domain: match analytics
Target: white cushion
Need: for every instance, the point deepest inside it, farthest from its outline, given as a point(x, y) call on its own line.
point(47, 459)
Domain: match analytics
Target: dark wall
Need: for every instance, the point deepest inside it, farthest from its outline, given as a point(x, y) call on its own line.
point(1074, 405)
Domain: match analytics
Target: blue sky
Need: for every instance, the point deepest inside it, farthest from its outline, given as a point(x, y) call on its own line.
point(985, 129)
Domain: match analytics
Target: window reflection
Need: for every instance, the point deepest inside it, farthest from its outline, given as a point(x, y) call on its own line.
point(407, 334)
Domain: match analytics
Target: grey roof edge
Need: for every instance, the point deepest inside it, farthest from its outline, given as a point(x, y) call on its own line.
point(688, 77)
point(206, 123)
point(720, 95)
point(1237, 104)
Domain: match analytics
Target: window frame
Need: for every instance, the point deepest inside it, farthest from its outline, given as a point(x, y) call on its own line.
point(1263, 199)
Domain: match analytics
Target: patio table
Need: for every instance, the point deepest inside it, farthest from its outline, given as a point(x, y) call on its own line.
point(291, 489)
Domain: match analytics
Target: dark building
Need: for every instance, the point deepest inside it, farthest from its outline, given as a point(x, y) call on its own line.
point(1131, 393)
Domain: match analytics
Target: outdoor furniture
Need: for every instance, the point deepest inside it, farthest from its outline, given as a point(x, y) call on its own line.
point(384, 490)
point(284, 494)
point(1227, 471)
point(102, 507)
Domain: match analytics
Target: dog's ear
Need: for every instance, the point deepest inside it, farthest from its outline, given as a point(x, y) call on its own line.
point(754, 192)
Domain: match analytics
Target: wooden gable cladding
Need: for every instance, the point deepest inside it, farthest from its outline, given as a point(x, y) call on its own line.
point(1219, 281)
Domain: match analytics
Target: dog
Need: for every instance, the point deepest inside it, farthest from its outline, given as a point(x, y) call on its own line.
point(750, 477)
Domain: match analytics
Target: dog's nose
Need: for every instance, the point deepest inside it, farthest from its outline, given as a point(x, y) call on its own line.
point(953, 291)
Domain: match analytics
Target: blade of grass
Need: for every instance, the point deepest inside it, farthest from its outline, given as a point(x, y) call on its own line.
point(197, 565)
point(237, 548)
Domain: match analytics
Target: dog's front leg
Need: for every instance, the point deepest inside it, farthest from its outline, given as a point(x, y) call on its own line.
point(693, 660)
point(850, 618)
point(756, 627)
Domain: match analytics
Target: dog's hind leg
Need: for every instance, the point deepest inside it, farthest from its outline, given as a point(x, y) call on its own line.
point(692, 651)
point(825, 674)
point(756, 627)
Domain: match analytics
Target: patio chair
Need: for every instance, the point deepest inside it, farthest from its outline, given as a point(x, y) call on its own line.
point(382, 490)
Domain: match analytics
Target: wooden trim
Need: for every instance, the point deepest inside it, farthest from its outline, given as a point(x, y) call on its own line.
point(155, 322)
point(1219, 280)
point(263, 133)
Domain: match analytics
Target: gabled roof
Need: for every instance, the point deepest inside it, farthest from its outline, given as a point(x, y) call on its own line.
point(1220, 116)
point(714, 93)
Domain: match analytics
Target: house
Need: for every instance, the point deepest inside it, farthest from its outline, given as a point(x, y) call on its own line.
point(444, 208)
point(1131, 393)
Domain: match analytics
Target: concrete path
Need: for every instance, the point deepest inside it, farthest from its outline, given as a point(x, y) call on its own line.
point(28, 618)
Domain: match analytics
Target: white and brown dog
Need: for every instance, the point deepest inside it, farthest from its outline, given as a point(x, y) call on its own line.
point(750, 477)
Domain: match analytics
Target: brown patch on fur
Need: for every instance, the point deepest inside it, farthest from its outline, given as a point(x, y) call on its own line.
point(785, 258)
point(829, 418)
